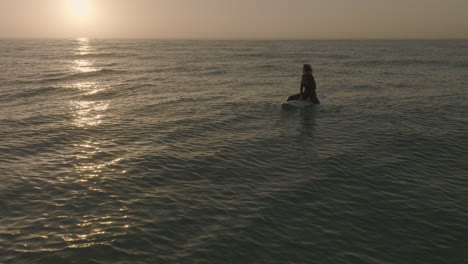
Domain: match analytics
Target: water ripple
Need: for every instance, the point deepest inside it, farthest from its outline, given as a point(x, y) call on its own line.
point(179, 152)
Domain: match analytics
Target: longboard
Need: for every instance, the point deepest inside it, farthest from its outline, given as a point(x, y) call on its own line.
point(297, 103)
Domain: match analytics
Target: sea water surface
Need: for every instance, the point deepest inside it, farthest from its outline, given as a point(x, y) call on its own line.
point(178, 151)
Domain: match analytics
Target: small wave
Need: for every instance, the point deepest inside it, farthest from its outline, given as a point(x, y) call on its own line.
point(52, 75)
point(334, 56)
point(110, 64)
point(155, 70)
point(460, 64)
point(94, 73)
point(363, 87)
point(268, 66)
point(249, 55)
point(50, 78)
point(100, 94)
point(102, 55)
point(402, 62)
point(28, 93)
point(258, 83)
point(214, 72)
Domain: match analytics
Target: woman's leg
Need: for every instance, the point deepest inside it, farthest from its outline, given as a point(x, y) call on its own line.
point(315, 99)
point(294, 97)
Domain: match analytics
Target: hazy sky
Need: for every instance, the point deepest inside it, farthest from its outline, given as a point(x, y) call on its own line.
point(298, 19)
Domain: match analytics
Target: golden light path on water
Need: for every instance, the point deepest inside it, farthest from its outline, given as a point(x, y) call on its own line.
point(84, 46)
point(87, 113)
point(90, 160)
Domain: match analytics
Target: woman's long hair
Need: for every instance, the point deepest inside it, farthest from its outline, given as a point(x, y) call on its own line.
point(307, 68)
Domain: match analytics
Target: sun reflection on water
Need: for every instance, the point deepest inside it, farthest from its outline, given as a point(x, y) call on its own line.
point(91, 158)
point(86, 165)
point(89, 88)
point(89, 113)
point(84, 46)
point(95, 231)
point(84, 66)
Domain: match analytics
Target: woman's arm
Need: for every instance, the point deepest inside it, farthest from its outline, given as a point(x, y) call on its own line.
point(309, 84)
point(302, 85)
point(312, 84)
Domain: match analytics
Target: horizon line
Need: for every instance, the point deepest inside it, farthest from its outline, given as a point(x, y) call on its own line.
point(234, 38)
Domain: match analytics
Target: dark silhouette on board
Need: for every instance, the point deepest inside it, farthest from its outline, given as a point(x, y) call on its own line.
point(308, 86)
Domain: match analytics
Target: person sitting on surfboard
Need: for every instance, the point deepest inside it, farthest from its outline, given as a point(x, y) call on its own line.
point(308, 86)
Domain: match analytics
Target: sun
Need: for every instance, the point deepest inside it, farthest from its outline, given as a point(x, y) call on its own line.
point(80, 10)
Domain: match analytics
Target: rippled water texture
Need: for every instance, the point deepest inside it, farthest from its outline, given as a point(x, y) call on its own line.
point(151, 151)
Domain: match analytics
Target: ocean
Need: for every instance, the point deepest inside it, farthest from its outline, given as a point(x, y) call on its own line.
point(178, 151)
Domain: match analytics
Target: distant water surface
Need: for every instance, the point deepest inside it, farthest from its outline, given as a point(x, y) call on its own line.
point(161, 151)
